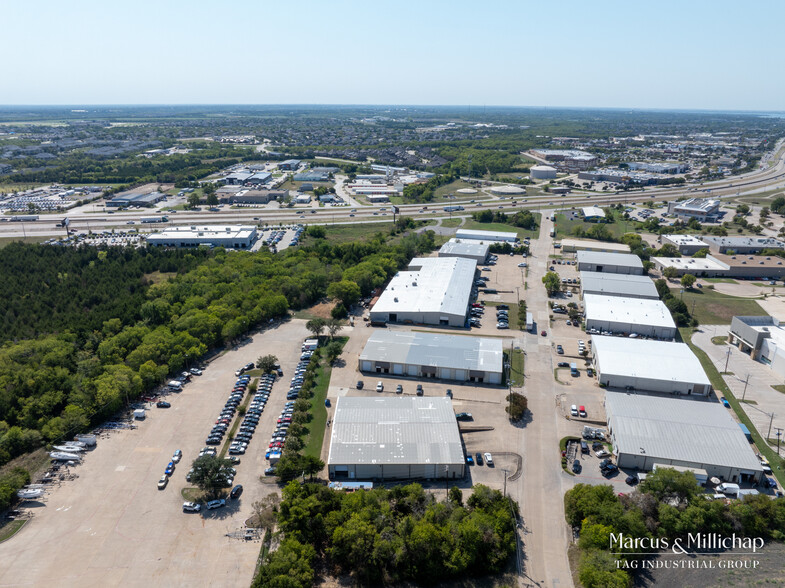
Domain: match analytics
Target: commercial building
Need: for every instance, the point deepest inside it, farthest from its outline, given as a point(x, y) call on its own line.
point(237, 178)
point(302, 199)
point(614, 263)
point(377, 198)
point(648, 431)
point(543, 172)
point(431, 355)
point(258, 178)
point(289, 165)
point(311, 176)
point(573, 245)
point(702, 209)
point(432, 291)
point(230, 237)
point(718, 265)
point(686, 244)
point(136, 199)
point(614, 314)
point(653, 366)
point(592, 213)
point(762, 337)
point(619, 176)
point(742, 245)
point(659, 168)
point(476, 250)
point(255, 196)
point(487, 236)
point(624, 285)
point(395, 438)
point(569, 159)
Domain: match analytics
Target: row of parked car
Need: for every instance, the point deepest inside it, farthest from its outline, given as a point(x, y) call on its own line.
point(251, 419)
point(227, 412)
point(169, 471)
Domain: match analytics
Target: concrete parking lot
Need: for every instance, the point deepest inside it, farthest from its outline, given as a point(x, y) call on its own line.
point(112, 526)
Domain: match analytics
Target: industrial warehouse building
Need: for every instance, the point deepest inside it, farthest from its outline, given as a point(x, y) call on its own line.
point(432, 291)
point(642, 316)
point(702, 209)
point(231, 237)
point(433, 355)
point(136, 199)
point(653, 366)
point(289, 164)
point(488, 236)
point(762, 337)
point(592, 213)
point(470, 249)
point(686, 244)
point(395, 438)
point(648, 431)
point(727, 266)
point(614, 263)
point(246, 196)
point(625, 285)
point(573, 245)
point(742, 245)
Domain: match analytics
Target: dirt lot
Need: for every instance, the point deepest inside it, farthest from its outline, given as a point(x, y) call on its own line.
point(112, 526)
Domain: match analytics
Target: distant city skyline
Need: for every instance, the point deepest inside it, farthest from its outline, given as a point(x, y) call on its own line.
point(700, 55)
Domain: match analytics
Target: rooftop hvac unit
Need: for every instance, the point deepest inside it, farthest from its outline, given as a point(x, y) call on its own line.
point(414, 283)
point(395, 299)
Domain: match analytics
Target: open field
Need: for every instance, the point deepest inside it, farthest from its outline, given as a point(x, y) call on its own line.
point(533, 234)
point(8, 240)
point(313, 444)
point(713, 308)
point(565, 227)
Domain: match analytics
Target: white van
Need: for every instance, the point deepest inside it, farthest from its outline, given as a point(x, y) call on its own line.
point(574, 410)
point(175, 386)
point(728, 489)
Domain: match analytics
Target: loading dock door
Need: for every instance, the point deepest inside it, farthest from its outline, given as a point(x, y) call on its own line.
point(397, 369)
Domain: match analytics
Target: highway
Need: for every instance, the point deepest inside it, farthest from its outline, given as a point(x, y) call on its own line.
point(768, 176)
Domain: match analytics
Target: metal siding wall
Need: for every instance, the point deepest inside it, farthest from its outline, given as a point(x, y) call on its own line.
point(494, 378)
point(397, 369)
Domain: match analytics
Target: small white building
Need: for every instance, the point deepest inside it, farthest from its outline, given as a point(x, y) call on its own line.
point(433, 291)
point(573, 245)
point(641, 316)
point(653, 366)
point(395, 438)
point(487, 236)
point(614, 263)
point(230, 237)
point(762, 337)
point(470, 249)
point(302, 199)
point(686, 244)
point(592, 213)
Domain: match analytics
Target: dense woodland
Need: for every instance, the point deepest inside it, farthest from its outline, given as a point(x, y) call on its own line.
point(385, 537)
point(58, 381)
point(667, 505)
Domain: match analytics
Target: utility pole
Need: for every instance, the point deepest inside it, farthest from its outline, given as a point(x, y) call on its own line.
point(727, 359)
point(771, 420)
point(779, 434)
point(744, 394)
point(506, 471)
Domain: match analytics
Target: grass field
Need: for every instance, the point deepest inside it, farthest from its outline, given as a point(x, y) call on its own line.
point(313, 444)
point(451, 222)
point(11, 528)
point(517, 368)
point(474, 225)
point(722, 389)
point(720, 280)
point(712, 308)
point(8, 240)
point(565, 226)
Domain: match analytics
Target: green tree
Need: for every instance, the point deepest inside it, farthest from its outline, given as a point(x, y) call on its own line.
point(333, 326)
point(317, 231)
point(688, 280)
point(670, 272)
point(701, 253)
point(666, 484)
point(193, 200)
point(316, 326)
point(552, 282)
point(289, 566)
point(212, 199)
point(346, 291)
point(517, 405)
point(210, 473)
point(332, 351)
point(266, 363)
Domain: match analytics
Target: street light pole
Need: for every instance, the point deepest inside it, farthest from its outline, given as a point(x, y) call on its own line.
point(744, 394)
point(727, 359)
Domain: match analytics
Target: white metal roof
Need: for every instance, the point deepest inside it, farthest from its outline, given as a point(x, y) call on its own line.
point(434, 349)
point(486, 235)
point(618, 285)
point(432, 284)
point(694, 264)
point(593, 212)
point(589, 245)
point(649, 359)
point(701, 432)
point(395, 430)
point(685, 240)
point(606, 258)
point(762, 242)
point(635, 311)
point(205, 233)
point(467, 247)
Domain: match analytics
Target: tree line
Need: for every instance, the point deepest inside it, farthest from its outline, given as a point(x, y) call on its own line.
point(55, 384)
point(384, 537)
point(667, 505)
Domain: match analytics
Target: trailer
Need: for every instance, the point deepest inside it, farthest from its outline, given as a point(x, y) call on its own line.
point(154, 219)
point(530, 322)
point(140, 414)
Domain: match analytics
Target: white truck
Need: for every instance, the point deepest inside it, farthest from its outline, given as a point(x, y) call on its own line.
point(89, 440)
point(175, 386)
point(728, 489)
point(139, 414)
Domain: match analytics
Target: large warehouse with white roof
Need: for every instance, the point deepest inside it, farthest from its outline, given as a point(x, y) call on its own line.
point(395, 438)
point(614, 263)
point(433, 355)
point(231, 237)
point(655, 366)
point(626, 285)
point(432, 291)
point(643, 316)
point(665, 431)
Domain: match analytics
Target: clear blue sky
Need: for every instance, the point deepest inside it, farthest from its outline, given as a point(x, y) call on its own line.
point(690, 54)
